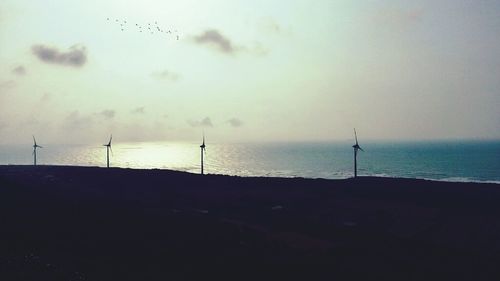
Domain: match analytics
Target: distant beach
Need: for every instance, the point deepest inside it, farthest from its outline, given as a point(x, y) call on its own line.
point(87, 223)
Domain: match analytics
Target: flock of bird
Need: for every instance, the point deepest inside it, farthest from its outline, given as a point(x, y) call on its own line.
point(356, 148)
point(151, 28)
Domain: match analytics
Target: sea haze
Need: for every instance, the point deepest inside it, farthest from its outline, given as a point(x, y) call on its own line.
point(449, 161)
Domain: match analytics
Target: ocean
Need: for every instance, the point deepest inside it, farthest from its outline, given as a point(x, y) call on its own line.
point(462, 161)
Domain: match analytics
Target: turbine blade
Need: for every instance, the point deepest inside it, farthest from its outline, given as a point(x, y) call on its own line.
point(34, 140)
point(110, 139)
point(361, 149)
point(111, 150)
point(355, 136)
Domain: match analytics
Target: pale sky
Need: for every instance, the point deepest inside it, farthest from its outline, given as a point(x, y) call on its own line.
point(249, 70)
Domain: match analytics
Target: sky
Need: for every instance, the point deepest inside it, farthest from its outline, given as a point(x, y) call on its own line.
point(249, 71)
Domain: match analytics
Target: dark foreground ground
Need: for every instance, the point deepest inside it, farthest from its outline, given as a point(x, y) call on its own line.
point(79, 223)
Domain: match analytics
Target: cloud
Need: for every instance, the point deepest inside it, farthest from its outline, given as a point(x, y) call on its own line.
point(214, 38)
point(165, 75)
point(75, 56)
point(205, 122)
point(108, 113)
point(269, 25)
point(20, 70)
point(139, 110)
point(7, 85)
point(256, 48)
point(235, 122)
point(75, 121)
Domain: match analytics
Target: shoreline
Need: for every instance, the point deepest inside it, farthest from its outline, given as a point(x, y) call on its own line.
point(449, 180)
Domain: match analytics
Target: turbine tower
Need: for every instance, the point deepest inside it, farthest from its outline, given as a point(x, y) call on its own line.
point(35, 146)
point(202, 147)
point(356, 147)
point(108, 148)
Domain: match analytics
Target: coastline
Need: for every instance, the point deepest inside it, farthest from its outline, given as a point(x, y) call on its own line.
point(383, 176)
point(131, 224)
point(446, 161)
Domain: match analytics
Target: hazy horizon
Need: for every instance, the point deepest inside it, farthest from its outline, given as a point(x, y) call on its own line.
point(259, 71)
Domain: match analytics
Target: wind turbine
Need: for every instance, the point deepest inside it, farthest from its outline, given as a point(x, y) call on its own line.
point(356, 147)
point(202, 147)
point(108, 148)
point(35, 146)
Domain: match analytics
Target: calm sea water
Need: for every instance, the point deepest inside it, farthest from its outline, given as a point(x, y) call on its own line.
point(449, 161)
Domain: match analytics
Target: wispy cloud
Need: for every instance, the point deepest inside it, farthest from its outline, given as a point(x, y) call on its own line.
point(235, 122)
point(269, 25)
point(165, 75)
point(108, 113)
point(205, 122)
point(6, 85)
point(75, 56)
point(75, 121)
point(139, 110)
point(256, 49)
point(19, 70)
point(214, 39)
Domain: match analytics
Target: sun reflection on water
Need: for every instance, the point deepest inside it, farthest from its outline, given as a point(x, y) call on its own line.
point(176, 156)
